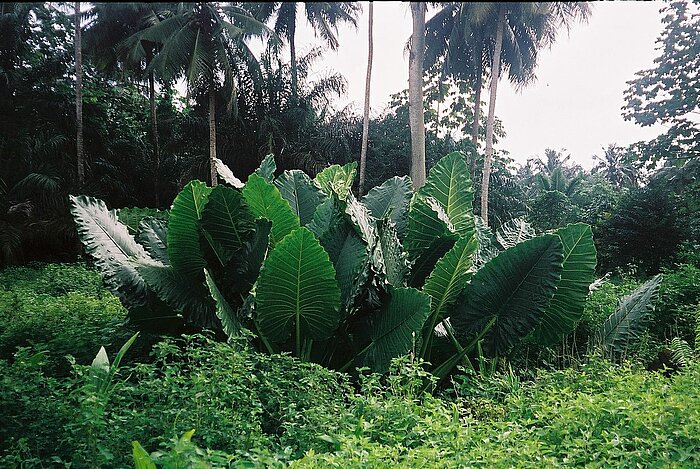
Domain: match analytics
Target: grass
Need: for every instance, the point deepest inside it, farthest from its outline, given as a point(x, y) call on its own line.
point(253, 410)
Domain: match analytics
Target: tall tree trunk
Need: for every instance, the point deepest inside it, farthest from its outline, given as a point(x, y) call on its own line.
point(495, 75)
point(79, 97)
point(154, 137)
point(293, 59)
point(212, 132)
point(415, 95)
point(365, 123)
point(477, 107)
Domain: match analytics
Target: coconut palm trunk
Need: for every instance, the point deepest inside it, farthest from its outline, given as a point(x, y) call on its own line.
point(477, 107)
point(154, 137)
point(212, 132)
point(365, 123)
point(79, 97)
point(415, 95)
point(293, 58)
point(495, 75)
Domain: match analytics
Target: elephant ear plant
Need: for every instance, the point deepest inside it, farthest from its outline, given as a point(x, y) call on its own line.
point(312, 270)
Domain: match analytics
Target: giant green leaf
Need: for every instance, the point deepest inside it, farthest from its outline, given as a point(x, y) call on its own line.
point(513, 232)
point(427, 221)
point(183, 233)
point(396, 328)
point(447, 280)
point(628, 322)
point(180, 291)
point(297, 293)
point(328, 216)
point(226, 222)
point(351, 269)
point(227, 175)
point(428, 237)
point(449, 184)
point(513, 289)
point(337, 179)
point(487, 243)
point(109, 243)
point(301, 193)
point(363, 221)
point(577, 274)
point(390, 200)
point(237, 278)
point(389, 255)
point(224, 311)
point(265, 200)
point(153, 235)
point(267, 168)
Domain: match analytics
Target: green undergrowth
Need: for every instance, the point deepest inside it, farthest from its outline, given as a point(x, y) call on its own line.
point(58, 309)
point(253, 410)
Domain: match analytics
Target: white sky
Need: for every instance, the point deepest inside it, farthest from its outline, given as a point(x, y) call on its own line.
point(575, 104)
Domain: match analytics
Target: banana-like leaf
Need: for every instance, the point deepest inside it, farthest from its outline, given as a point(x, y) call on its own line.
point(237, 278)
point(265, 200)
point(427, 221)
point(393, 257)
point(328, 216)
point(364, 222)
point(153, 235)
point(351, 270)
point(513, 289)
point(224, 312)
point(487, 243)
point(132, 216)
point(347, 252)
point(183, 233)
point(226, 222)
point(254, 253)
point(577, 274)
point(108, 242)
point(267, 168)
point(629, 321)
point(297, 293)
point(390, 200)
point(428, 237)
point(301, 193)
point(337, 179)
point(449, 184)
point(331, 227)
point(447, 280)
point(514, 232)
point(227, 175)
point(396, 328)
point(180, 292)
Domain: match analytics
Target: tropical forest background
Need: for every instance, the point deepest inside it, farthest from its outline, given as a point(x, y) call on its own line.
point(443, 263)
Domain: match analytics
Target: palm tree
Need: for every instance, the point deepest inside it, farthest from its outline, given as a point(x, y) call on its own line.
point(203, 42)
point(324, 18)
point(415, 94)
point(365, 123)
point(467, 36)
point(616, 167)
point(557, 181)
point(79, 97)
point(106, 39)
point(536, 25)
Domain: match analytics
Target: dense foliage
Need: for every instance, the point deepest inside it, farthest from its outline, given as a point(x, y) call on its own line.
point(344, 282)
point(465, 343)
point(281, 411)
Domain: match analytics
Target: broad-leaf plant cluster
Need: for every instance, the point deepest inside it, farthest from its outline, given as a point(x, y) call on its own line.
point(310, 269)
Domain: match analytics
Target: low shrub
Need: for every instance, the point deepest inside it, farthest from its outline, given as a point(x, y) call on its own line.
point(58, 309)
point(596, 415)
